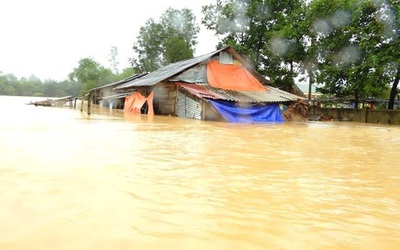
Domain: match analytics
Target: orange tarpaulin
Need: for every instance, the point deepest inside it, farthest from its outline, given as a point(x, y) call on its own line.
point(232, 77)
point(134, 103)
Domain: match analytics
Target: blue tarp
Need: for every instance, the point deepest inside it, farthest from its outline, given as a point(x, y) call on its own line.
point(250, 113)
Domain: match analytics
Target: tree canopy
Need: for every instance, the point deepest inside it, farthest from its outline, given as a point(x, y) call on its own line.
point(349, 46)
point(90, 74)
point(33, 86)
point(87, 75)
point(173, 38)
point(269, 33)
point(352, 44)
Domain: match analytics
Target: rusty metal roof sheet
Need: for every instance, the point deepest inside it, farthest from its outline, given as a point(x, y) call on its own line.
point(200, 91)
point(173, 69)
point(273, 95)
point(117, 96)
point(114, 84)
point(204, 90)
point(166, 72)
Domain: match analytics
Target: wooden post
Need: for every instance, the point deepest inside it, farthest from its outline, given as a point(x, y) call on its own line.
point(88, 104)
point(364, 115)
point(75, 102)
point(310, 83)
point(82, 103)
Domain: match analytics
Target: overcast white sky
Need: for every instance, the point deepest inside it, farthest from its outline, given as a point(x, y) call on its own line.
point(47, 38)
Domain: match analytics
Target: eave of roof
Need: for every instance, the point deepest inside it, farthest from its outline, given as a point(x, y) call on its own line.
point(173, 69)
point(125, 80)
point(166, 72)
point(208, 92)
point(117, 96)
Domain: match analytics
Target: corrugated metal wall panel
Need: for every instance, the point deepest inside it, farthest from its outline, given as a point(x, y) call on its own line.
point(225, 58)
point(165, 99)
point(193, 108)
point(189, 107)
point(181, 105)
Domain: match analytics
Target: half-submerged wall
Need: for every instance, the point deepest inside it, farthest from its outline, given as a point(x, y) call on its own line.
point(189, 106)
point(383, 116)
point(359, 115)
point(165, 98)
point(169, 99)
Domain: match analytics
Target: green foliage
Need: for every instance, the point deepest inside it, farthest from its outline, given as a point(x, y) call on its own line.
point(148, 47)
point(353, 47)
point(171, 39)
point(269, 33)
point(126, 73)
point(393, 23)
point(349, 46)
point(91, 74)
point(11, 85)
point(176, 50)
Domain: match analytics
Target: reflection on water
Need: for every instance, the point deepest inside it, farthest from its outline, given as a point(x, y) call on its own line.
point(68, 181)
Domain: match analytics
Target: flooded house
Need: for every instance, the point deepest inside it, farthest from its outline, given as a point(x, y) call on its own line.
point(219, 86)
point(107, 96)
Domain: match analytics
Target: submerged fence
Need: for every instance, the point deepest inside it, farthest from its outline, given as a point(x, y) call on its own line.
point(381, 116)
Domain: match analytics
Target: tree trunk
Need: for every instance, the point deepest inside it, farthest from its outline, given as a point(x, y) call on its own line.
point(356, 99)
point(310, 83)
point(393, 92)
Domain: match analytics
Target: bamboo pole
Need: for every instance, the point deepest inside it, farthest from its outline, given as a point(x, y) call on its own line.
point(82, 103)
point(88, 105)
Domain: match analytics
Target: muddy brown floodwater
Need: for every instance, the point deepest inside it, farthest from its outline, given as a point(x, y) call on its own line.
point(69, 181)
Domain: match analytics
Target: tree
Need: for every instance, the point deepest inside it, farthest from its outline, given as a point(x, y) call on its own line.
point(350, 47)
point(171, 39)
point(394, 90)
point(127, 72)
point(90, 74)
point(176, 49)
point(33, 86)
point(392, 18)
point(7, 84)
point(269, 33)
point(330, 22)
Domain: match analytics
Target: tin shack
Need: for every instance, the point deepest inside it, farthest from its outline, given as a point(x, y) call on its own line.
point(220, 85)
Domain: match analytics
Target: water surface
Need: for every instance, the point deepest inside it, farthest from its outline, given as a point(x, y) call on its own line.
point(108, 181)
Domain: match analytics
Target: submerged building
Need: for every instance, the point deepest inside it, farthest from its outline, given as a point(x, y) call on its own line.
point(218, 86)
point(106, 96)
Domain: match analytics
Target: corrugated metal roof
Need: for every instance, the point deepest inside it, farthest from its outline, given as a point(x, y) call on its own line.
point(273, 95)
point(117, 96)
point(206, 91)
point(200, 91)
point(284, 95)
point(173, 69)
point(131, 78)
point(166, 72)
